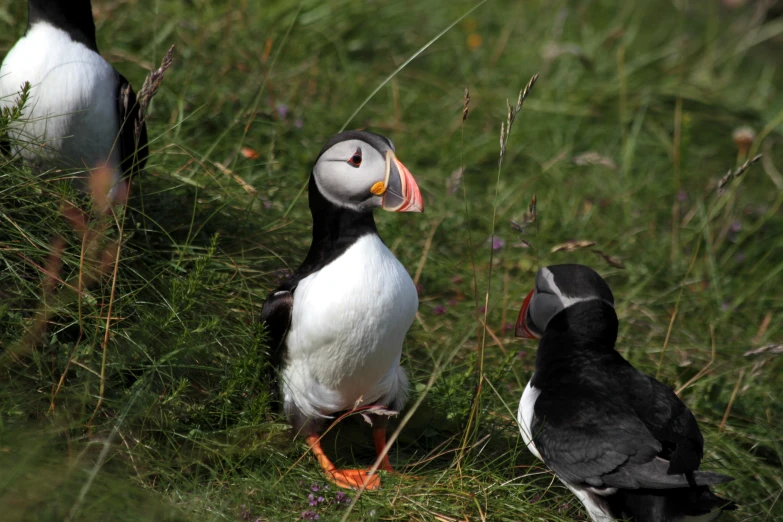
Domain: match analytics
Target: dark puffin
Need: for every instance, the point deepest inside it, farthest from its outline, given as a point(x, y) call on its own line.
point(81, 112)
point(337, 324)
point(623, 442)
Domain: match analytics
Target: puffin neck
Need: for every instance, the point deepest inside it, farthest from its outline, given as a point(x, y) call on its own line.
point(74, 17)
point(589, 326)
point(334, 228)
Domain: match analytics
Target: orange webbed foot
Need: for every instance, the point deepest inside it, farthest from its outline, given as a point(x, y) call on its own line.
point(353, 479)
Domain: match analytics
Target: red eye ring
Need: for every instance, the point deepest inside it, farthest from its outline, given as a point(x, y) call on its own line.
point(356, 159)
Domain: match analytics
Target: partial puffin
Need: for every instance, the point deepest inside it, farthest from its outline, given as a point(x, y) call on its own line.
point(623, 442)
point(337, 324)
point(81, 112)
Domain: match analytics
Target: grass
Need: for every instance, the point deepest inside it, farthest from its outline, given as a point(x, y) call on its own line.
point(623, 141)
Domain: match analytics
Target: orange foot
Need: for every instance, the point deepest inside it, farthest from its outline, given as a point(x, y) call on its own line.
point(344, 478)
point(353, 478)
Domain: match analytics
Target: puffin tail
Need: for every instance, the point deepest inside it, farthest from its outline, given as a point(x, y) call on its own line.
point(697, 504)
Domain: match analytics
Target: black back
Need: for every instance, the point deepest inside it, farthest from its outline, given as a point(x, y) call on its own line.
point(72, 16)
point(600, 422)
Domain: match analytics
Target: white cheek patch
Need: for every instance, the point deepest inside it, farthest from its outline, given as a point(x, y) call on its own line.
point(345, 185)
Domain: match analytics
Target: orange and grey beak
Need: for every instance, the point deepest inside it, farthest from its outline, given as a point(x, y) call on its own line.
point(522, 329)
point(401, 192)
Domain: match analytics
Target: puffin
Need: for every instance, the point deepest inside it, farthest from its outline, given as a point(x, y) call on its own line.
point(336, 326)
point(620, 440)
point(81, 112)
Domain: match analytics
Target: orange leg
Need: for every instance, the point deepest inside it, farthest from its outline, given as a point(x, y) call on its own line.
point(379, 438)
point(344, 478)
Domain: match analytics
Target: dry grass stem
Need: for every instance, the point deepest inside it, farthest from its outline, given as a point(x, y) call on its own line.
point(610, 260)
point(733, 174)
point(149, 88)
point(465, 108)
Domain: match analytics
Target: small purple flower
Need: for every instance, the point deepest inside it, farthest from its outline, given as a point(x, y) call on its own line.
point(482, 309)
point(312, 500)
point(497, 243)
point(439, 310)
point(508, 326)
point(521, 354)
point(419, 288)
point(340, 497)
point(682, 195)
point(310, 515)
point(315, 488)
point(736, 226)
point(452, 302)
point(320, 499)
point(282, 110)
point(298, 123)
point(457, 279)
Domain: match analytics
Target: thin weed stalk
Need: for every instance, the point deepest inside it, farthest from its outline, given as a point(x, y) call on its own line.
point(505, 130)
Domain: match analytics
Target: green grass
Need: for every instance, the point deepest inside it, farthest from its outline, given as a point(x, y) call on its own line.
point(184, 431)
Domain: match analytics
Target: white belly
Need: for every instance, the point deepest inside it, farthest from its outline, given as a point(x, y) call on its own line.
point(525, 416)
point(347, 328)
point(70, 119)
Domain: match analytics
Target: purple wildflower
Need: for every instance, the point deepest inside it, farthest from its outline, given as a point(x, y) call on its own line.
point(315, 488)
point(310, 515)
point(320, 499)
point(312, 500)
point(342, 498)
point(457, 279)
point(419, 288)
point(508, 326)
point(282, 110)
point(497, 242)
point(482, 309)
point(439, 310)
point(452, 302)
point(682, 195)
point(521, 354)
point(298, 123)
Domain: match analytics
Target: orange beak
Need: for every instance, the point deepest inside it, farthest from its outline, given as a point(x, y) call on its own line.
point(521, 329)
point(402, 193)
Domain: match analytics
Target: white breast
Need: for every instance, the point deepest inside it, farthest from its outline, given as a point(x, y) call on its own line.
point(525, 416)
point(72, 109)
point(348, 324)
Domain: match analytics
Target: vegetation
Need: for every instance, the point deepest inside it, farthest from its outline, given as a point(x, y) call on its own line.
point(141, 397)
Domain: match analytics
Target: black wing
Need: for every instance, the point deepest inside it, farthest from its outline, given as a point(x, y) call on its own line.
point(276, 315)
point(634, 434)
point(133, 154)
point(668, 419)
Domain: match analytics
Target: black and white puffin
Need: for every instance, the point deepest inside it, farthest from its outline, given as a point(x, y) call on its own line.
point(81, 111)
point(337, 324)
point(623, 442)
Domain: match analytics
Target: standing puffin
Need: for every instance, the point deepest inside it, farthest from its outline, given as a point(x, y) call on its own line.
point(337, 324)
point(623, 442)
point(81, 112)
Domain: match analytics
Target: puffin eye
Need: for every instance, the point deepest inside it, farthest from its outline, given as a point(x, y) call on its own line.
point(356, 159)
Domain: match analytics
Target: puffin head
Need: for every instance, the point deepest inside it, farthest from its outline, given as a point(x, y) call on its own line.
point(557, 288)
point(359, 170)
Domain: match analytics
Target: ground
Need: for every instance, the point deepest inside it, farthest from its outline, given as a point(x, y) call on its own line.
point(145, 399)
